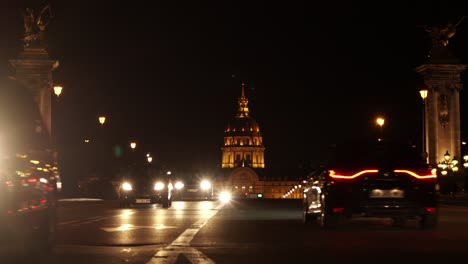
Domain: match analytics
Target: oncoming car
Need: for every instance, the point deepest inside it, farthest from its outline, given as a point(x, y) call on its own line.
point(372, 179)
point(194, 189)
point(145, 190)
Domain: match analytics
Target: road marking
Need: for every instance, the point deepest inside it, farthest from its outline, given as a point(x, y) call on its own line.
point(96, 219)
point(69, 222)
point(181, 245)
point(128, 227)
point(170, 254)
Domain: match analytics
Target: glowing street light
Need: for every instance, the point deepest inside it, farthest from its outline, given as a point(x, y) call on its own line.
point(448, 165)
point(58, 90)
point(133, 145)
point(423, 94)
point(447, 156)
point(102, 120)
point(380, 121)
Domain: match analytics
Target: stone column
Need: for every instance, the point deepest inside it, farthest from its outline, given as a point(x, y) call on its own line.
point(442, 79)
point(34, 71)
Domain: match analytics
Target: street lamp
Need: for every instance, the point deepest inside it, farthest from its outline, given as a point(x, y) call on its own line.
point(449, 170)
point(58, 90)
point(102, 120)
point(133, 145)
point(149, 158)
point(380, 121)
point(446, 156)
point(423, 94)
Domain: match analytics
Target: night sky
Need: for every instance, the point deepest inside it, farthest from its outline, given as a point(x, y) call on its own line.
point(169, 74)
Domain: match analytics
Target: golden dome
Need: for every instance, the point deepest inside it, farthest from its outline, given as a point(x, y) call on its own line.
point(242, 126)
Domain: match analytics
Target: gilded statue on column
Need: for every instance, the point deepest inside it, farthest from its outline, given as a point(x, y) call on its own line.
point(441, 34)
point(35, 24)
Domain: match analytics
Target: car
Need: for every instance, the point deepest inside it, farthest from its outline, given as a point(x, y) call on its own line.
point(29, 178)
point(371, 179)
point(194, 188)
point(143, 189)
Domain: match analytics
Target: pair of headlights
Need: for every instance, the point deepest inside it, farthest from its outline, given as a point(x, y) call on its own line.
point(158, 186)
point(204, 185)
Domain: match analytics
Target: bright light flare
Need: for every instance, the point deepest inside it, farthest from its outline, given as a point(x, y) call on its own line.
point(58, 90)
point(225, 197)
point(102, 120)
point(127, 186)
point(380, 121)
point(179, 185)
point(159, 186)
point(205, 185)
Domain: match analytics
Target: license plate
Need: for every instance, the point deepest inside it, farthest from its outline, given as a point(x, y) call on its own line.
point(192, 190)
point(143, 201)
point(395, 193)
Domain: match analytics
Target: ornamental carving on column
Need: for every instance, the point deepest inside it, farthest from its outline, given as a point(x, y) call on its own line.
point(443, 110)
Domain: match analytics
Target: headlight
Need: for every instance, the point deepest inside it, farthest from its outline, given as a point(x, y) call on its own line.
point(159, 186)
point(205, 185)
point(179, 185)
point(225, 197)
point(127, 186)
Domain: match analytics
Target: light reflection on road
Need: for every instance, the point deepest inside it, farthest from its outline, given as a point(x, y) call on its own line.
point(126, 213)
point(205, 206)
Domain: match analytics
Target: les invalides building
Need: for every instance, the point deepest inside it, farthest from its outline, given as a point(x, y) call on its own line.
point(243, 160)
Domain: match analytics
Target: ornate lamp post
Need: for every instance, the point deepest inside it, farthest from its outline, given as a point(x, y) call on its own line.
point(423, 94)
point(448, 171)
point(57, 91)
point(380, 121)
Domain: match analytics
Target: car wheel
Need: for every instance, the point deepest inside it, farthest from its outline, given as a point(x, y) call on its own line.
point(308, 218)
point(428, 222)
point(327, 220)
point(305, 217)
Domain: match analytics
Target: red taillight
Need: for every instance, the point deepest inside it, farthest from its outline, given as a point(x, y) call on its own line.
point(420, 174)
point(338, 210)
point(430, 210)
point(349, 175)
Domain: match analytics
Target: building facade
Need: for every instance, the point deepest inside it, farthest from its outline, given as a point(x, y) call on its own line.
point(243, 160)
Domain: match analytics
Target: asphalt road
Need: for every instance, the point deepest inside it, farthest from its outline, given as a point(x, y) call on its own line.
point(247, 231)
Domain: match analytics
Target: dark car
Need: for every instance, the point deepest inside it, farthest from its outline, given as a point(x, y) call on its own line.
point(194, 188)
point(372, 179)
point(143, 189)
point(28, 177)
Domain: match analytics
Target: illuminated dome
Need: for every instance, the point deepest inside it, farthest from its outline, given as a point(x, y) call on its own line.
point(242, 126)
point(243, 142)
